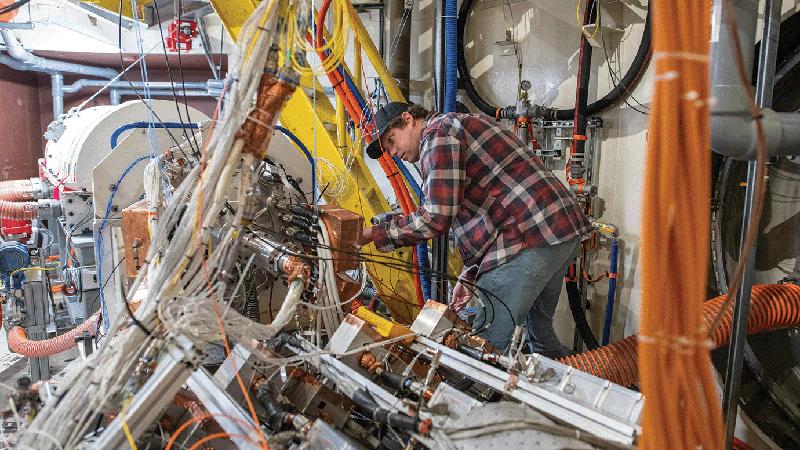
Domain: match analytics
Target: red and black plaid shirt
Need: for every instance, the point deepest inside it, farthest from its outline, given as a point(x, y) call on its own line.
point(486, 185)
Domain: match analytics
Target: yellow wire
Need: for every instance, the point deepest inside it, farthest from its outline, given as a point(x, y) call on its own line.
point(26, 269)
point(580, 22)
point(125, 429)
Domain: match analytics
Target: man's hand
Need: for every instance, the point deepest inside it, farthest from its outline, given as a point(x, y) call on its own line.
point(366, 236)
point(461, 296)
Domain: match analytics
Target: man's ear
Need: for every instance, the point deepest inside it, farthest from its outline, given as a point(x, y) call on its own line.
point(407, 117)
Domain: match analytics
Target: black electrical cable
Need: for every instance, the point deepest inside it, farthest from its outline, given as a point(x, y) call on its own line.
point(180, 71)
point(399, 264)
point(125, 76)
point(579, 314)
point(196, 147)
point(626, 85)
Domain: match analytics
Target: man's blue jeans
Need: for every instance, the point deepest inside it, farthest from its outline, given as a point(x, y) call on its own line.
point(525, 289)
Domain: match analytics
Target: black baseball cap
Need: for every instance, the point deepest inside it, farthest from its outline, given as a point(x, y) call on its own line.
point(383, 117)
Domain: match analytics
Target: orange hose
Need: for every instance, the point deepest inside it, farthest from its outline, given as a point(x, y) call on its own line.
point(772, 306)
point(17, 190)
point(18, 210)
point(19, 343)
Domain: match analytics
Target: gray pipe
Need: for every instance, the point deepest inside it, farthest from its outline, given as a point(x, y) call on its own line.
point(34, 62)
point(158, 85)
point(57, 88)
point(733, 131)
point(165, 93)
point(18, 65)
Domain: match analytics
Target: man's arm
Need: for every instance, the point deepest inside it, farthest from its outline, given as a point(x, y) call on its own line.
point(443, 163)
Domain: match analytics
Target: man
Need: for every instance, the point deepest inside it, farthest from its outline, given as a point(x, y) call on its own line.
point(517, 226)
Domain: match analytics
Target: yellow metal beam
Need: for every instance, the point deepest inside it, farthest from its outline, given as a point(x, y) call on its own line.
point(341, 167)
point(113, 5)
point(233, 14)
point(349, 184)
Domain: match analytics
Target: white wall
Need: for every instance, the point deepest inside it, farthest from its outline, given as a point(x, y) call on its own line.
point(549, 39)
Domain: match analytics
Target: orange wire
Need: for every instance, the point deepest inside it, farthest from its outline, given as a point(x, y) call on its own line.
point(682, 408)
point(214, 301)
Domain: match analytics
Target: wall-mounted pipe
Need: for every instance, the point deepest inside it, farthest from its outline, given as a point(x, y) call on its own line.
point(18, 52)
point(733, 130)
point(57, 88)
point(154, 85)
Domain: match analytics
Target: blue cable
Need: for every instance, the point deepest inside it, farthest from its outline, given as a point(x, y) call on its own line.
point(422, 248)
point(130, 126)
point(310, 158)
point(612, 289)
point(103, 224)
point(450, 55)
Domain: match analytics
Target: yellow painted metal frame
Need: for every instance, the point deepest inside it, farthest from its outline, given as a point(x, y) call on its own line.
point(340, 163)
point(113, 5)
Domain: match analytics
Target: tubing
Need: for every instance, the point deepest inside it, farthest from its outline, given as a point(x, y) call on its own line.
point(578, 313)
point(134, 125)
point(577, 170)
point(612, 289)
point(36, 63)
point(357, 109)
point(18, 210)
point(450, 55)
point(772, 306)
point(422, 248)
point(625, 86)
point(17, 190)
point(19, 343)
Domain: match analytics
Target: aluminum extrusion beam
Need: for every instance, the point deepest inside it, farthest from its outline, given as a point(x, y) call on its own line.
point(149, 403)
point(226, 411)
point(560, 396)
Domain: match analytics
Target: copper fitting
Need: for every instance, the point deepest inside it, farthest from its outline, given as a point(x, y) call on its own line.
point(257, 130)
point(294, 267)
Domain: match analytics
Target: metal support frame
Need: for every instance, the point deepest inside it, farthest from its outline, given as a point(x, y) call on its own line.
point(583, 401)
point(149, 403)
point(37, 316)
point(736, 351)
point(226, 411)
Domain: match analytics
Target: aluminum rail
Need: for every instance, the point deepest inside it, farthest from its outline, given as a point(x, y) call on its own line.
point(568, 395)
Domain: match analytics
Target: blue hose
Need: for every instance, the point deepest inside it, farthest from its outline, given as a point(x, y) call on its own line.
point(450, 55)
point(310, 158)
point(612, 289)
point(422, 248)
point(130, 126)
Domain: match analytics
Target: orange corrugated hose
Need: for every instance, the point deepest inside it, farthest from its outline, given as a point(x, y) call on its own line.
point(19, 210)
point(682, 409)
point(772, 306)
point(16, 190)
point(7, 17)
point(19, 343)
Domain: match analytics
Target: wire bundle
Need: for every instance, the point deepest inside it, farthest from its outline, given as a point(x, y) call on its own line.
point(181, 265)
point(682, 408)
